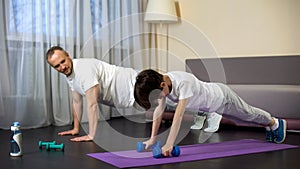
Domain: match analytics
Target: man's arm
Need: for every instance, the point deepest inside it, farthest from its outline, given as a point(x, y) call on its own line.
point(77, 109)
point(167, 148)
point(77, 114)
point(92, 110)
point(92, 114)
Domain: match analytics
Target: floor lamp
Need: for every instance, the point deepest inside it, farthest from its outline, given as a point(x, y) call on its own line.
point(161, 12)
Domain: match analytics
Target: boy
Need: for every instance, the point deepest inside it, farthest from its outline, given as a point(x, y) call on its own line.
point(152, 88)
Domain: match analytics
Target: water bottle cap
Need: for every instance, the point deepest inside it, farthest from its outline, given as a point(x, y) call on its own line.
point(16, 124)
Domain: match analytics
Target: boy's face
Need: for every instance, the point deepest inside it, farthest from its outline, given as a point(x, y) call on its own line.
point(61, 62)
point(155, 97)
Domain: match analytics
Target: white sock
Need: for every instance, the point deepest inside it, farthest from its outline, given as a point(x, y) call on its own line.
point(268, 128)
point(275, 125)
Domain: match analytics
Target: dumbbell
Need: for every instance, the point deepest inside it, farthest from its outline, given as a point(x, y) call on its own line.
point(157, 153)
point(56, 146)
point(46, 144)
point(140, 146)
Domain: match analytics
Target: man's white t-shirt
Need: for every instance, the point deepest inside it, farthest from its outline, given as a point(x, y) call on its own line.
point(116, 84)
point(202, 96)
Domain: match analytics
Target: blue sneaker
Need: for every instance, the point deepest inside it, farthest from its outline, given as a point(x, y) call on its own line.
point(280, 133)
point(269, 136)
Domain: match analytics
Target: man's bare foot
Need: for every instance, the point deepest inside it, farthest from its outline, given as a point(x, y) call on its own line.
point(82, 138)
point(69, 132)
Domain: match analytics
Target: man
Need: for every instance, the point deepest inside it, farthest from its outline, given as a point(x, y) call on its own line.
point(97, 81)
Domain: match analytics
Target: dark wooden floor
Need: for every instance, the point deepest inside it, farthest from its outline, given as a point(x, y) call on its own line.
point(75, 156)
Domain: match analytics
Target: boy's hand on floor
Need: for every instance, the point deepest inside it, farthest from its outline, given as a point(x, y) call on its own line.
point(167, 150)
point(149, 143)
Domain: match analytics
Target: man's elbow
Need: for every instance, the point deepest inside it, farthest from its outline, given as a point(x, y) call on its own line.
point(93, 106)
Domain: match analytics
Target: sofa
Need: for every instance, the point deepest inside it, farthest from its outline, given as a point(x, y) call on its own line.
point(269, 82)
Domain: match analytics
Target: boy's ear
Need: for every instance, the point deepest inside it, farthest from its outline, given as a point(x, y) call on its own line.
point(163, 84)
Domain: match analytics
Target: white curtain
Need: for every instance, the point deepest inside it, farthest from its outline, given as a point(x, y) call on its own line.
point(33, 93)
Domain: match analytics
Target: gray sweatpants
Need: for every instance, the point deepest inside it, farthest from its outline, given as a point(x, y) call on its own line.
point(236, 109)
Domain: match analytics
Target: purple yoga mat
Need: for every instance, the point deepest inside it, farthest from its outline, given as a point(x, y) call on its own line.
point(131, 158)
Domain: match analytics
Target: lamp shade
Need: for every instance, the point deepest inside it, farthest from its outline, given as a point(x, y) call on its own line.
point(161, 11)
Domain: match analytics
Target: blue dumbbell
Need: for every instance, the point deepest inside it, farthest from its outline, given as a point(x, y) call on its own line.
point(45, 144)
point(56, 146)
point(158, 154)
point(140, 146)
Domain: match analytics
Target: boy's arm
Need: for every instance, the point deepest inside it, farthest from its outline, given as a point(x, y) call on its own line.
point(167, 149)
point(157, 117)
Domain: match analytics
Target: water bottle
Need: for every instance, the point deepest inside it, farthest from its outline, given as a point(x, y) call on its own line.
point(15, 140)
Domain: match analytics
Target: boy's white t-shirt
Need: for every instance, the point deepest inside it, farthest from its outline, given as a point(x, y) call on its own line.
point(116, 84)
point(202, 96)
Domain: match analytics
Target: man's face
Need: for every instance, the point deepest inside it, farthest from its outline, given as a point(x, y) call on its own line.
point(61, 61)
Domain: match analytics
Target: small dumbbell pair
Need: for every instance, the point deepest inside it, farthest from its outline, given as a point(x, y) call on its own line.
point(156, 149)
point(51, 145)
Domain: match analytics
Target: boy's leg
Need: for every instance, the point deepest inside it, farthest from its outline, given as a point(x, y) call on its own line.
point(238, 109)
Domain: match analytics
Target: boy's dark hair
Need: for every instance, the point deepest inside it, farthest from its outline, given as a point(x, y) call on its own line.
point(51, 51)
point(145, 88)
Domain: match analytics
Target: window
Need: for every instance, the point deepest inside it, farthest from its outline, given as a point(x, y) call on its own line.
point(51, 17)
point(96, 8)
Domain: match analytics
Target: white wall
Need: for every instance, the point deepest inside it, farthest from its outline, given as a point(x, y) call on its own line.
point(234, 28)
